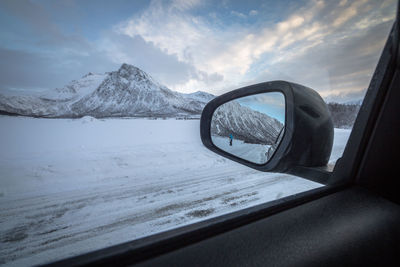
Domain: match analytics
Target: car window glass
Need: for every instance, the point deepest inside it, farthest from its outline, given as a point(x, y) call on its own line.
point(100, 105)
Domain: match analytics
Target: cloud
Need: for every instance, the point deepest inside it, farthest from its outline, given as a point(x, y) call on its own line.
point(169, 28)
point(34, 15)
point(42, 29)
point(238, 14)
point(230, 52)
point(183, 5)
point(253, 12)
point(55, 58)
point(166, 68)
point(40, 71)
point(331, 46)
point(338, 70)
point(309, 38)
point(348, 13)
point(314, 49)
point(176, 32)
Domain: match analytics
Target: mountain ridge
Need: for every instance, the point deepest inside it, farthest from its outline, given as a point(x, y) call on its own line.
point(127, 92)
point(245, 124)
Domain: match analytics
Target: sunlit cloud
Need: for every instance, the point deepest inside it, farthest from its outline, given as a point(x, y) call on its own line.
point(348, 13)
point(233, 52)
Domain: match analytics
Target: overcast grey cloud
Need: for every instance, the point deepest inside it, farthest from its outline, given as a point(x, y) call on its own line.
point(17, 66)
point(35, 16)
point(42, 30)
point(35, 71)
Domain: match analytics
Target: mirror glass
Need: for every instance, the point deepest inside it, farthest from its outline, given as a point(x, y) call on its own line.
point(250, 127)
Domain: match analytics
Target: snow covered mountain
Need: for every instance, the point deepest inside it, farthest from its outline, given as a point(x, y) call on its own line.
point(126, 92)
point(245, 124)
point(76, 88)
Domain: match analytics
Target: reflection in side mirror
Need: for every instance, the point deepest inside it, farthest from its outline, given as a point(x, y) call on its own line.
point(250, 127)
point(276, 126)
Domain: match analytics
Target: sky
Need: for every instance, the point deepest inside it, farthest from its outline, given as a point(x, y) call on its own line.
point(190, 45)
point(270, 103)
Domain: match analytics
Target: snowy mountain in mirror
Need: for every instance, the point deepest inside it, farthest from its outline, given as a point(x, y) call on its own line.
point(250, 127)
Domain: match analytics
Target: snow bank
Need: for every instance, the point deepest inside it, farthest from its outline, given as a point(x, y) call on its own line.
point(87, 119)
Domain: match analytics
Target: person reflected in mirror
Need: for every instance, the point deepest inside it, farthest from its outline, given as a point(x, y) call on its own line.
point(230, 139)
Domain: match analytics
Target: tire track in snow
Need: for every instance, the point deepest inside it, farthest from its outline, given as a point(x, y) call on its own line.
point(38, 237)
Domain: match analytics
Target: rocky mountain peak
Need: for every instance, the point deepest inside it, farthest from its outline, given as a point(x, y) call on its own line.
point(131, 72)
point(87, 75)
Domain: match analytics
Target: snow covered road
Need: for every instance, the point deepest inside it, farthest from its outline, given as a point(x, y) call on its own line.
point(73, 186)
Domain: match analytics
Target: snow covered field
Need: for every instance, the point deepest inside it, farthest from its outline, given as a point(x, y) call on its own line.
point(252, 152)
point(73, 186)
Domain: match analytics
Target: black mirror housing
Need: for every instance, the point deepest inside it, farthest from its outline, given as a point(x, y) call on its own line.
point(308, 136)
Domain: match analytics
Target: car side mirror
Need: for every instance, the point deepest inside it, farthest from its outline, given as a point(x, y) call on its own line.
point(275, 126)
